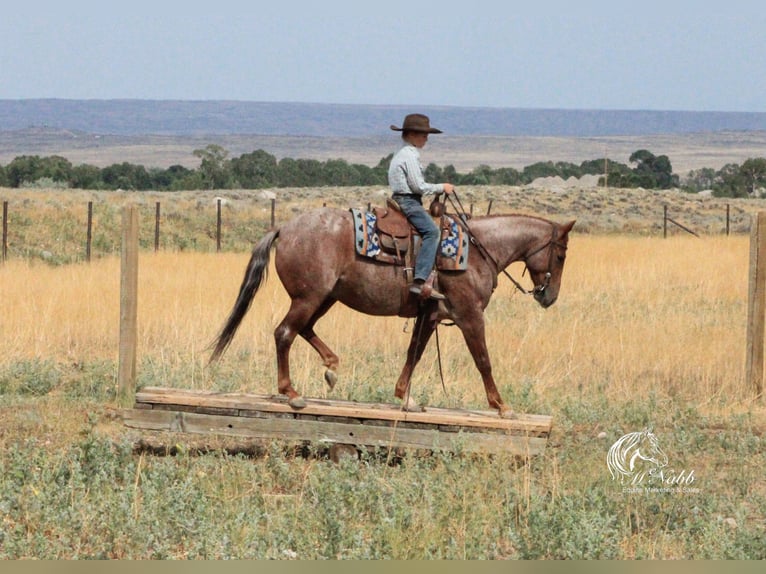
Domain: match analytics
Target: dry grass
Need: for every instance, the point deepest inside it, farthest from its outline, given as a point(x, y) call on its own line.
point(646, 331)
point(635, 316)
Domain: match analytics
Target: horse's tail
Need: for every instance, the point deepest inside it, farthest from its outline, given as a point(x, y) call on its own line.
point(256, 272)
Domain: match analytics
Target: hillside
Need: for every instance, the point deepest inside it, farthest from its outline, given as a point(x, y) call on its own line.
point(164, 133)
point(173, 117)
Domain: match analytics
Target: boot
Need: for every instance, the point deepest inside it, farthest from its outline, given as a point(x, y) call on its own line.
point(424, 291)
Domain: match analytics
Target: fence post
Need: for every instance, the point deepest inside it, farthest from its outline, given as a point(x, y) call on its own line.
point(90, 232)
point(727, 219)
point(218, 227)
point(157, 227)
point(756, 307)
point(665, 221)
point(273, 209)
point(126, 375)
point(5, 231)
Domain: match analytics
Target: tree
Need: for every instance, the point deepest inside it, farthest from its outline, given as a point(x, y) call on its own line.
point(753, 173)
point(506, 176)
point(214, 166)
point(653, 172)
point(539, 169)
point(450, 174)
point(338, 172)
point(126, 176)
point(566, 169)
point(86, 176)
point(729, 182)
point(700, 179)
point(24, 168)
point(255, 170)
point(480, 175)
point(381, 170)
point(433, 173)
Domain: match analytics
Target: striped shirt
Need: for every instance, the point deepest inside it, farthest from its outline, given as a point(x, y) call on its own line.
point(405, 174)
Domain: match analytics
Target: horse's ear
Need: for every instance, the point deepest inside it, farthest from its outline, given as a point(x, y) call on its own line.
point(567, 227)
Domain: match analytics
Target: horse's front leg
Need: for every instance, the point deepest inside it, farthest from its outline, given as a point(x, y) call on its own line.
point(473, 333)
point(421, 334)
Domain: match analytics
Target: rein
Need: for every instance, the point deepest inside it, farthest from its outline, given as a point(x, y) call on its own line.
point(487, 255)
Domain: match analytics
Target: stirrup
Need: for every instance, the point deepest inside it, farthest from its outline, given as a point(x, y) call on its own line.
point(426, 291)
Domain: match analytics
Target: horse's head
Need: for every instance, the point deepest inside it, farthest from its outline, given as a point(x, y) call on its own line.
point(546, 264)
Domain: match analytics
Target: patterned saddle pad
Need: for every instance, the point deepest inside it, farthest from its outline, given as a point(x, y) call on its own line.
point(452, 255)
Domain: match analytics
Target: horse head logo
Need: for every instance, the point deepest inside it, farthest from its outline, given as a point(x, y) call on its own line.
point(635, 455)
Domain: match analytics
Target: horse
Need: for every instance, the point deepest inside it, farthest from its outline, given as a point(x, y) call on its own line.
point(317, 264)
point(626, 458)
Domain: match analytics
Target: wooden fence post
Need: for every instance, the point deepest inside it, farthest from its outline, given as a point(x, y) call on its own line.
point(5, 231)
point(756, 307)
point(157, 227)
point(273, 209)
point(218, 226)
point(89, 237)
point(126, 376)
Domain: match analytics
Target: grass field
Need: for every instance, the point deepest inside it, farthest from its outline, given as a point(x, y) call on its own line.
point(647, 332)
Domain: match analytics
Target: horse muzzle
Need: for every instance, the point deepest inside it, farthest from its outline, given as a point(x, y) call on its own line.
point(543, 294)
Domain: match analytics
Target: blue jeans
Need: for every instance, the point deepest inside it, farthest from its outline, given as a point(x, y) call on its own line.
point(429, 233)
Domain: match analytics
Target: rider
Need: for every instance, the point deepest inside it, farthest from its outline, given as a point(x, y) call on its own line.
point(405, 177)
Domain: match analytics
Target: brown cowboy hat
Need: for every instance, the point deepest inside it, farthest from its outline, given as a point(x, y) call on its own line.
point(416, 123)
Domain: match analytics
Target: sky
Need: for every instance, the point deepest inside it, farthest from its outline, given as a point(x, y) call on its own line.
point(695, 56)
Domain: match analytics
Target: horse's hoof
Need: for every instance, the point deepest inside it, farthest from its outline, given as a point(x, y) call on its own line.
point(411, 406)
point(297, 402)
point(507, 413)
point(331, 378)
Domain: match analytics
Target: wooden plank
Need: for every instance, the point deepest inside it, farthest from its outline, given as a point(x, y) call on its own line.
point(333, 433)
point(525, 423)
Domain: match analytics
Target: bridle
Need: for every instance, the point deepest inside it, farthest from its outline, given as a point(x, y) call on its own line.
point(551, 244)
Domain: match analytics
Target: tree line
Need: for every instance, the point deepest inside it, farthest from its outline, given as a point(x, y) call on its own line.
point(260, 169)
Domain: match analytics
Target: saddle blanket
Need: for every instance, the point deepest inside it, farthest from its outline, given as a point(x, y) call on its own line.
point(452, 254)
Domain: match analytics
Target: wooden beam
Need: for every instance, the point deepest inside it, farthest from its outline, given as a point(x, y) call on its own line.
point(328, 433)
point(325, 407)
point(332, 422)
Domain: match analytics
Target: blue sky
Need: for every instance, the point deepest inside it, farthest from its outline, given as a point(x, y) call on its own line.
point(577, 55)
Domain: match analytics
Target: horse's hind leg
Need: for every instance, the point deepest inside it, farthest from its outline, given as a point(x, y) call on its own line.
point(300, 316)
point(421, 334)
point(329, 359)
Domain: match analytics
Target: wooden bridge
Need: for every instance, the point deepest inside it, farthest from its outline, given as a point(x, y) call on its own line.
point(333, 422)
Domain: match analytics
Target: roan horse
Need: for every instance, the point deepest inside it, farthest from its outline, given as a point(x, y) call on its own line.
point(316, 278)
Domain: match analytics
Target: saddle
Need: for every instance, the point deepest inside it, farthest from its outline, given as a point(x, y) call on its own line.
point(394, 230)
point(383, 233)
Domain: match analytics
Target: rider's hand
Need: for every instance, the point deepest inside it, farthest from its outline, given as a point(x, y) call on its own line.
point(448, 188)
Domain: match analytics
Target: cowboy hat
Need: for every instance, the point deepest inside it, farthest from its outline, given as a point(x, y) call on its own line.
point(416, 123)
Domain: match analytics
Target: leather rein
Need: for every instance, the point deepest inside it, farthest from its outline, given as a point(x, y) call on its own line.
point(550, 244)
